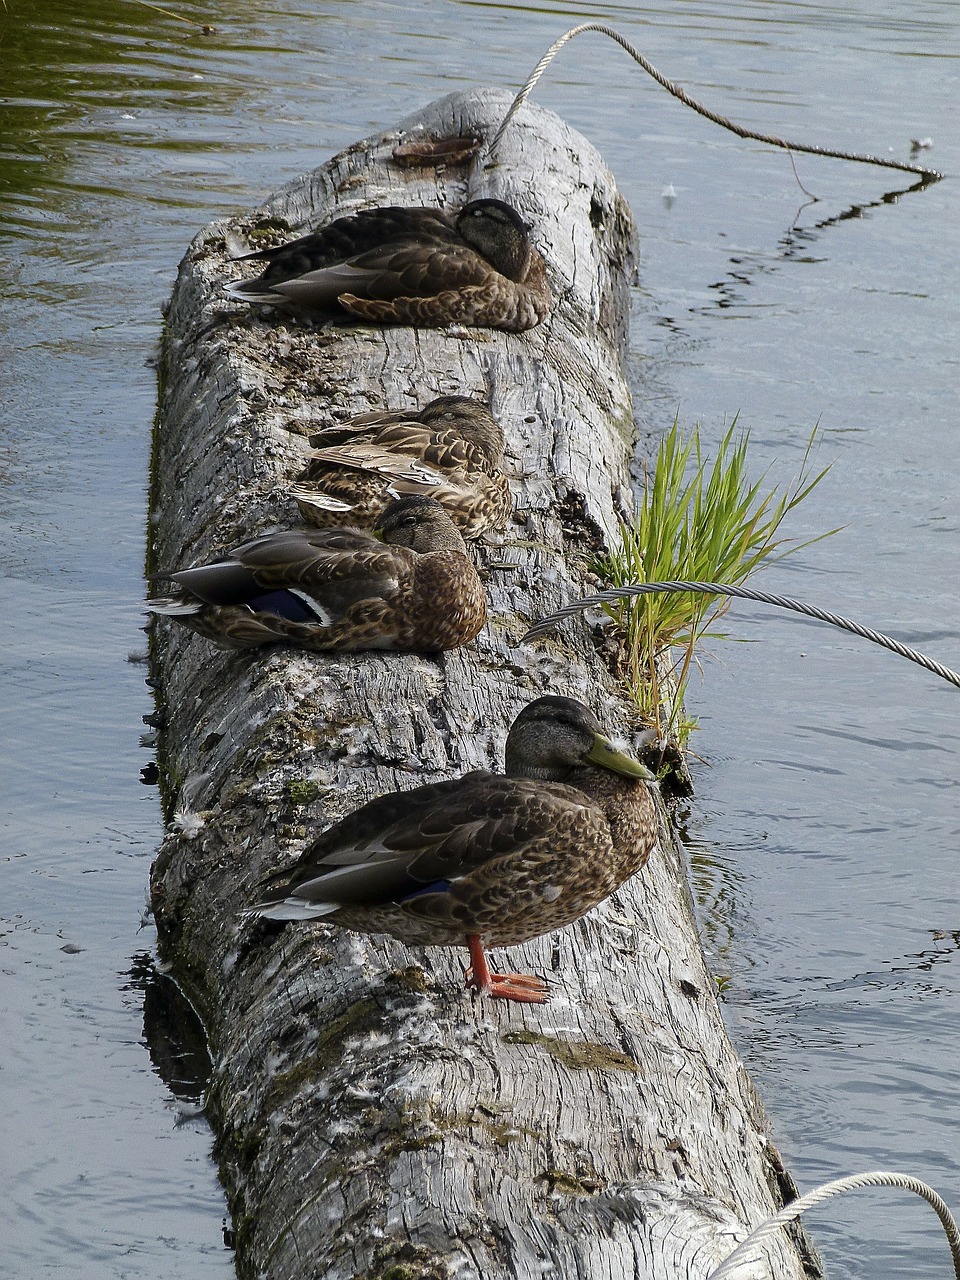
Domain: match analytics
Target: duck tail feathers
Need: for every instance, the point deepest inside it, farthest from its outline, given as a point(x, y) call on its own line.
point(173, 606)
point(315, 498)
point(291, 909)
point(252, 291)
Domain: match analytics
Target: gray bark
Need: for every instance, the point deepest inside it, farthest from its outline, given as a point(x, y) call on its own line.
point(372, 1119)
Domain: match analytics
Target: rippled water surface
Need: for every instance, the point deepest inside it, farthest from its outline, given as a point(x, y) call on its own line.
point(824, 831)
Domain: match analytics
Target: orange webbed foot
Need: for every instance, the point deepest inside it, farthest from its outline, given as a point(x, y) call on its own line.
point(522, 987)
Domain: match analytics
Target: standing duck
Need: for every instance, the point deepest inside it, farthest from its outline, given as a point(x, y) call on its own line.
point(452, 450)
point(339, 589)
point(415, 266)
point(486, 860)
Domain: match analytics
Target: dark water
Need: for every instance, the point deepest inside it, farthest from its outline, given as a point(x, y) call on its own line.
point(825, 826)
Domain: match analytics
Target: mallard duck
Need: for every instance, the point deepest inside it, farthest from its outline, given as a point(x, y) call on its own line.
point(415, 266)
point(486, 860)
point(451, 450)
point(339, 589)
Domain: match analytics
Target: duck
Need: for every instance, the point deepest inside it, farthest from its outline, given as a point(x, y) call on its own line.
point(452, 450)
point(487, 859)
point(407, 585)
point(414, 266)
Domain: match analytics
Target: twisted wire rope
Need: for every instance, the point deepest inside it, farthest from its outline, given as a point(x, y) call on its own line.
point(929, 175)
point(746, 1252)
point(546, 623)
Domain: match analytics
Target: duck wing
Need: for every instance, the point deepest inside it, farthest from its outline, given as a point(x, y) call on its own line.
point(406, 472)
point(394, 431)
point(292, 554)
point(297, 270)
point(409, 843)
point(412, 269)
point(331, 569)
point(222, 582)
point(446, 450)
point(355, 233)
point(471, 442)
point(364, 426)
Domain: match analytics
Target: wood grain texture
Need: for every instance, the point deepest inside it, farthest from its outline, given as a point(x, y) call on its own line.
point(372, 1120)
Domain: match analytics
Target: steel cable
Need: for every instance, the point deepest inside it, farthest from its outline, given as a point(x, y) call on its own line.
point(744, 593)
point(747, 1250)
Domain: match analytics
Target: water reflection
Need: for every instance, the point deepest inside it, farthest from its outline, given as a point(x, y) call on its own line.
point(71, 79)
point(794, 247)
point(172, 1031)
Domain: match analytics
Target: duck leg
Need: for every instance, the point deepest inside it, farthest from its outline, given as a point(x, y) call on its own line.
point(508, 986)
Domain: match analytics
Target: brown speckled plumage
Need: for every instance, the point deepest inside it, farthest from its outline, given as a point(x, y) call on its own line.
point(452, 450)
point(340, 589)
point(416, 266)
point(486, 859)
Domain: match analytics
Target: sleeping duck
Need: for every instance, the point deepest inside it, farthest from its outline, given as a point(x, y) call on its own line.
point(411, 587)
point(414, 266)
point(452, 450)
point(488, 859)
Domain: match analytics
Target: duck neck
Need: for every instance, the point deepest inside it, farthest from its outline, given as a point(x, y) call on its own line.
point(625, 801)
point(511, 258)
point(488, 438)
point(442, 540)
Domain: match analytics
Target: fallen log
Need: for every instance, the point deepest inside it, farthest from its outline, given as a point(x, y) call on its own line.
point(372, 1119)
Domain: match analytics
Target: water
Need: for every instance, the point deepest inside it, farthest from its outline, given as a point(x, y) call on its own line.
point(824, 829)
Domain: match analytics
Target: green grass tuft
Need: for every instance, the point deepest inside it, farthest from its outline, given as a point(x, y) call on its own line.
point(695, 521)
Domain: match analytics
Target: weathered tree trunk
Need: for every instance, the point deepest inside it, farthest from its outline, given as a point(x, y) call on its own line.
point(372, 1119)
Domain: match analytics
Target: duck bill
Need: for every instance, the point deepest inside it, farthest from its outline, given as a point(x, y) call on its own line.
point(607, 756)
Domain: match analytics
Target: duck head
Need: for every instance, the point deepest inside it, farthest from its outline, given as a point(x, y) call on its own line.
point(497, 231)
point(552, 735)
point(471, 419)
point(419, 523)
